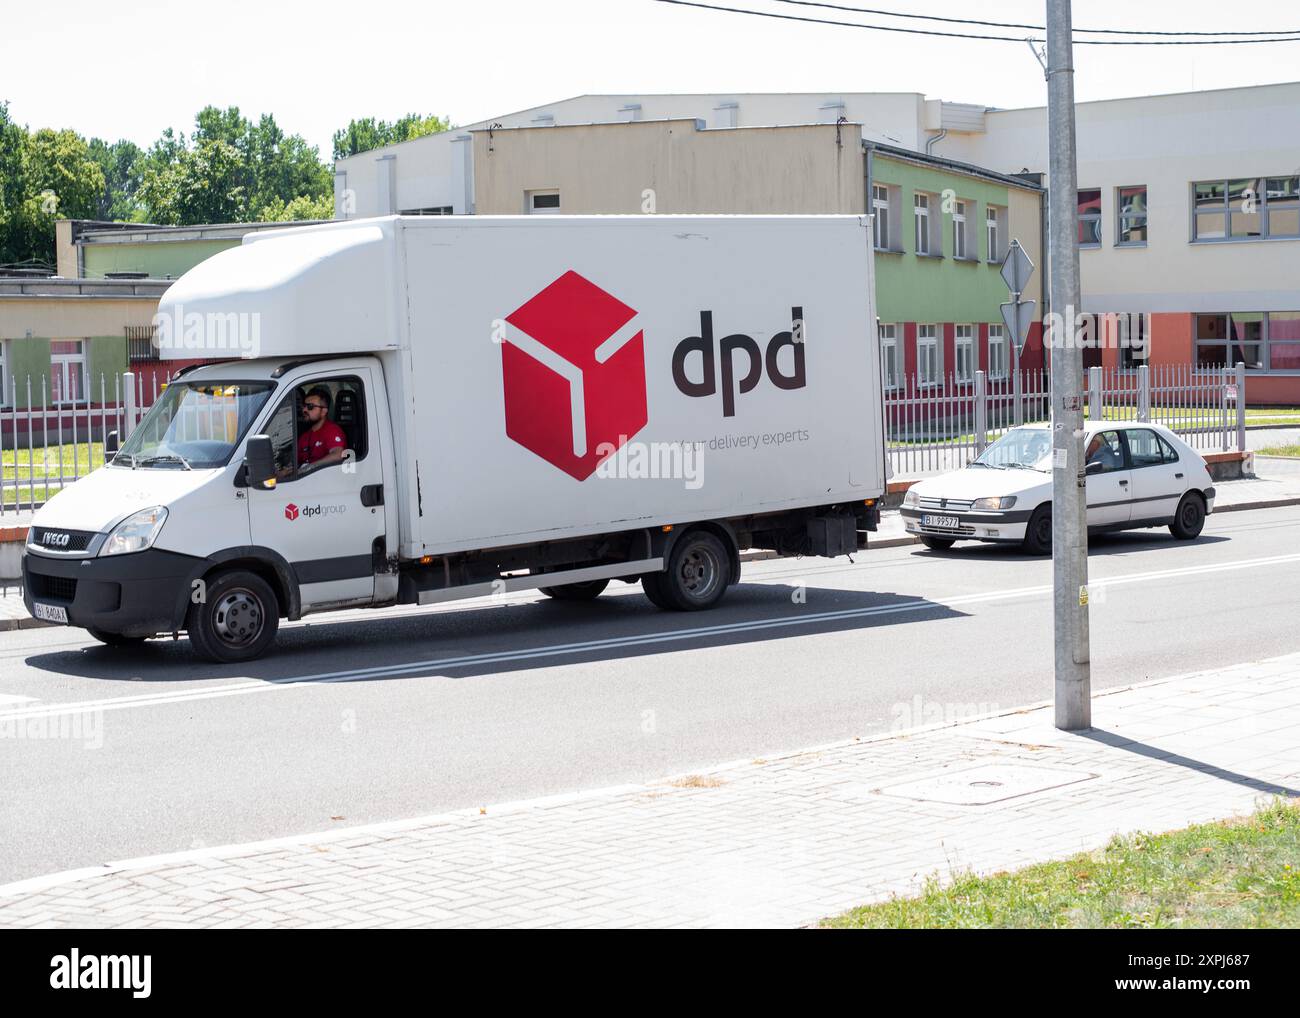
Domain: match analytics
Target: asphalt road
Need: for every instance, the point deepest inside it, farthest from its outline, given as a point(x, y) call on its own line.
point(370, 716)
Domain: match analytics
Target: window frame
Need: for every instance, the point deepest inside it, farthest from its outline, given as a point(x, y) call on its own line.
point(1088, 217)
point(935, 342)
point(992, 234)
point(1121, 217)
point(880, 223)
point(960, 234)
point(60, 363)
point(530, 202)
point(967, 342)
point(891, 378)
point(921, 222)
point(1002, 342)
point(1264, 208)
point(5, 387)
point(1161, 444)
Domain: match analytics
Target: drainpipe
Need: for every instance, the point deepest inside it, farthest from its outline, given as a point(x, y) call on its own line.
point(934, 140)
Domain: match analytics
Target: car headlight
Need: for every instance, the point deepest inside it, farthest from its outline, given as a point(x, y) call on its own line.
point(135, 533)
point(1003, 502)
point(912, 497)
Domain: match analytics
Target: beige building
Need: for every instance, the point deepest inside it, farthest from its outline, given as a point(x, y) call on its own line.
point(669, 167)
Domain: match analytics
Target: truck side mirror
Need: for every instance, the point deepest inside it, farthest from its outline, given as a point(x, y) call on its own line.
point(111, 444)
point(259, 462)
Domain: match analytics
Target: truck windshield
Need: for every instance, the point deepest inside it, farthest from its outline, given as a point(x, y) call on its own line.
point(194, 425)
point(1019, 447)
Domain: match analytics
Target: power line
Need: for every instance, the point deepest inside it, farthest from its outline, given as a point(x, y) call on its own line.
point(1012, 24)
point(968, 35)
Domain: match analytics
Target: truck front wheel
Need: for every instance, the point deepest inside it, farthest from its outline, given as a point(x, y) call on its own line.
point(697, 574)
point(236, 620)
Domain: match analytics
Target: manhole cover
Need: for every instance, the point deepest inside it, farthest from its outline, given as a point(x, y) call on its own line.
point(986, 783)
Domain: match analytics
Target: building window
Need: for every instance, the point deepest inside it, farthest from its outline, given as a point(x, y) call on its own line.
point(1131, 207)
point(1263, 341)
point(921, 213)
point(929, 359)
point(889, 355)
point(964, 348)
point(432, 210)
point(880, 207)
point(542, 203)
point(1134, 339)
point(959, 230)
point(67, 370)
point(998, 359)
point(1251, 208)
point(993, 232)
point(5, 388)
point(1089, 205)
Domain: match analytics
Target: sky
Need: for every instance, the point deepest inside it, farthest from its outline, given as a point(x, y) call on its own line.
point(130, 70)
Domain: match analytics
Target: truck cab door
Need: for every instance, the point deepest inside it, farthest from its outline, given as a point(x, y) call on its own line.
point(325, 518)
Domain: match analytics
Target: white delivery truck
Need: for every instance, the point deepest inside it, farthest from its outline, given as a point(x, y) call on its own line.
point(417, 409)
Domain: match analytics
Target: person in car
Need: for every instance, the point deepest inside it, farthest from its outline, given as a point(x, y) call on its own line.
point(323, 441)
point(1100, 451)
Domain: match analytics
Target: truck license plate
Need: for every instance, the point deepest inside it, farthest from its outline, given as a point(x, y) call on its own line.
point(941, 522)
point(50, 612)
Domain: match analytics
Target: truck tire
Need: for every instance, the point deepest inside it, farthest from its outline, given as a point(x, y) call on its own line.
point(588, 591)
point(1038, 532)
point(653, 585)
point(697, 573)
point(236, 621)
point(116, 639)
point(1189, 518)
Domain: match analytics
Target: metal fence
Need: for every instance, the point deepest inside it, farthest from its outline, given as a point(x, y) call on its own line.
point(936, 426)
point(47, 443)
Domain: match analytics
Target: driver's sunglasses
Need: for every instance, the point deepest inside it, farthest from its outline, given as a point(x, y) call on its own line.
point(314, 406)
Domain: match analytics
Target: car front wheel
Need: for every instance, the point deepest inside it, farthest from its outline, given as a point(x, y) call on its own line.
point(1038, 533)
point(236, 620)
point(937, 543)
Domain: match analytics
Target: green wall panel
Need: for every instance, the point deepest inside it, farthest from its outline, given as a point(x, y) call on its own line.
point(160, 259)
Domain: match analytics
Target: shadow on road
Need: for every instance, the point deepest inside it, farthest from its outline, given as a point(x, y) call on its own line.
point(1099, 545)
point(487, 638)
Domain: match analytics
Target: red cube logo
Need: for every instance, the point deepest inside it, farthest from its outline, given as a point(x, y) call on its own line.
point(574, 373)
point(291, 512)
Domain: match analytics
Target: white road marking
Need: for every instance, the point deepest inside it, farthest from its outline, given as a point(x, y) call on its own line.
point(7, 698)
point(612, 643)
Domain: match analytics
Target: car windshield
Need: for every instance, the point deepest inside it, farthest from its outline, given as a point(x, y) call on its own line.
point(1020, 447)
point(194, 425)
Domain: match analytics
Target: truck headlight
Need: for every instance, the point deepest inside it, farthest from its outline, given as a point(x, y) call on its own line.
point(912, 498)
point(135, 533)
point(1004, 502)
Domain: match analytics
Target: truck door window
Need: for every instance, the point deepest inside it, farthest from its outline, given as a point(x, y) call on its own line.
point(320, 424)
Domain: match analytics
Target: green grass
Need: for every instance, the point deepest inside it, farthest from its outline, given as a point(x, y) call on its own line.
point(1280, 450)
point(85, 456)
point(1242, 873)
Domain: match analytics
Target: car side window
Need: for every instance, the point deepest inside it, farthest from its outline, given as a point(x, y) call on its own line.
point(1145, 448)
point(282, 429)
point(1170, 454)
point(1104, 447)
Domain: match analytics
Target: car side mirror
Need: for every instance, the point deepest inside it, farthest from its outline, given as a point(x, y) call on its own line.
point(259, 462)
point(111, 444)
point(1093, 468)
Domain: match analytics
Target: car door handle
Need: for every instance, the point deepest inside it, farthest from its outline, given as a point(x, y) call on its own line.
point(1178, 476)
point(372, 495)
point(1123, 484)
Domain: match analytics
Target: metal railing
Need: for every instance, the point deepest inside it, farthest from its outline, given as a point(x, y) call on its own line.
point(45, 444)
point(934, 426)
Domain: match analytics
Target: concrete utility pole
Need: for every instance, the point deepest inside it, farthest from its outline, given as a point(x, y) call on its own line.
point(1069, 519)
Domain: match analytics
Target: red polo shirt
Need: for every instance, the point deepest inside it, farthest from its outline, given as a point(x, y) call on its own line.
point(315, 445)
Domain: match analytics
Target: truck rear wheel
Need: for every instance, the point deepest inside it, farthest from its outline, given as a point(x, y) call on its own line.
point(697, 574)
point(237, 619)
point(588, 591)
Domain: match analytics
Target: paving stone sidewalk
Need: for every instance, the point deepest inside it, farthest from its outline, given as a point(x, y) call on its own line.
point(778, 842)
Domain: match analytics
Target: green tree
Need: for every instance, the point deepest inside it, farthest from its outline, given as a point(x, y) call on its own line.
point(367, 133)
point(56, 177)
point(280, 211)
point(122, 163)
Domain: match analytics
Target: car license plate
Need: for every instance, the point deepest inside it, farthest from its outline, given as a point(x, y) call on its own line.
point(50, 612)
point(940, 522)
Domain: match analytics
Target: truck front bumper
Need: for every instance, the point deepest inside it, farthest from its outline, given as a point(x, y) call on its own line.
point(139, 594)
point(988, 526)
